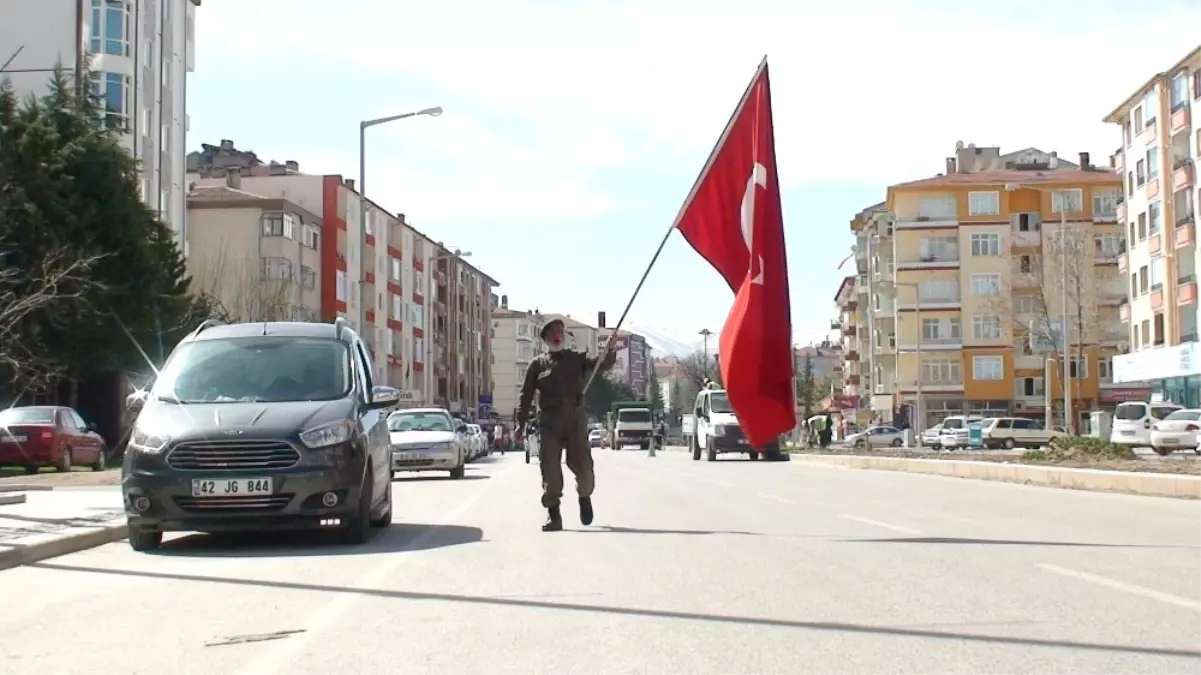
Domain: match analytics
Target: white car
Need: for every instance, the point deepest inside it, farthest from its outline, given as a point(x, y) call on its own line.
point(955, 431)
point(479, 443)
point(1177, 431)
point(877, 437)
point(930, 436)
point(427, 439)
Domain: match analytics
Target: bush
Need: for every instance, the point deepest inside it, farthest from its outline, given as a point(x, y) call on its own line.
point(1080, 448)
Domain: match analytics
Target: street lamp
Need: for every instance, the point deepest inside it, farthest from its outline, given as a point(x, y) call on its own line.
point(363, 127)
point(1064, 365)
point(889, 289)
point(705, 333)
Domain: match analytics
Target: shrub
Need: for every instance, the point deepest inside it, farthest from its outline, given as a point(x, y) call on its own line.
point(1080, 448)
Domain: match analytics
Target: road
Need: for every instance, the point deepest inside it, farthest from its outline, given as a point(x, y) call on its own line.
point(691, 567)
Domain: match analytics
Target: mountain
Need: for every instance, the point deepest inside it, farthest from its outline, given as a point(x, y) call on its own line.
point(667, 343)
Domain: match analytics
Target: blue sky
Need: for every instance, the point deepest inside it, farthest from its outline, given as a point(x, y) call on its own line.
point(574, 129)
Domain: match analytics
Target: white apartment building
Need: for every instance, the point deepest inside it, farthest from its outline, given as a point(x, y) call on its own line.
point(140, 51)
point(515, 342)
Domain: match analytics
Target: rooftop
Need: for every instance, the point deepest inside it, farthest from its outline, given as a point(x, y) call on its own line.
point(1094, 176)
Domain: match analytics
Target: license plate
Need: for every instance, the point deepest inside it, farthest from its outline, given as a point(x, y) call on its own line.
point(230, 487)
point(401, 456)
point(1127, 433)
point(742, 441)
point(13, 439)
point(1169, 441)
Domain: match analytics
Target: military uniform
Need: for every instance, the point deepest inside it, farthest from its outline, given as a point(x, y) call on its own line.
point(558, 378)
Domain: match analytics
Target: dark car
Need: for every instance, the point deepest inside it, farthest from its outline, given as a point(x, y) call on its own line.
point(260, 426)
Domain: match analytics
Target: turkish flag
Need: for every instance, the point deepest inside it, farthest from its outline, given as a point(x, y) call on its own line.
point(734, 220)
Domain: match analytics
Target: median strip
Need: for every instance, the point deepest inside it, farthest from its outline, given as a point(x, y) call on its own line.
point(37, 547)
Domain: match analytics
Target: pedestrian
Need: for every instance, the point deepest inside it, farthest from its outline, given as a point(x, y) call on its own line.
point(558, 377)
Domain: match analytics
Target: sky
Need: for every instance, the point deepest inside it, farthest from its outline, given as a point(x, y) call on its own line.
point(574, 129)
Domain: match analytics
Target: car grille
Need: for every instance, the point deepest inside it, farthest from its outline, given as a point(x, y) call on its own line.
point(733, 433)
point(234, 455)
point(226, 504)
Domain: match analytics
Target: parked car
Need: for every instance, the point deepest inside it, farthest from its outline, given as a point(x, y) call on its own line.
point(877, 437)
point(1016, 432)
point(260, 426)
point(955, 433)
point(1132, 422)
point(429, 439)
point(37, 436)
point(596, 438)
point(1177, 431)
point(479, 441)
point(929, 437)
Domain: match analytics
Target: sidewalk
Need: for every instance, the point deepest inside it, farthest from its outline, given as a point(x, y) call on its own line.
point(55, 522)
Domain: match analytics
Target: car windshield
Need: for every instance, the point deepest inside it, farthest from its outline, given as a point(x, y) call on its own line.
point(267, 369)
point(14, 416)
point(634, 415)
point(419, 421)
point(1130, 411)
point(720, 403)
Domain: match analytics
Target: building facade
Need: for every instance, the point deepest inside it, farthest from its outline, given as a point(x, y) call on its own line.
point(1161, 145)
point(515, 342)
point(969, 278)
point(633, 359)
point(420, 308)
point(141, 52)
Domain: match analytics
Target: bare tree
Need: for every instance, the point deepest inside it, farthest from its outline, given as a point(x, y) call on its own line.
point(248, 288)
point(54, 278)
point(1059, 291)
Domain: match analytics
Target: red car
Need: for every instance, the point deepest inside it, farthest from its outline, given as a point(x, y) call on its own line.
point(36, 436)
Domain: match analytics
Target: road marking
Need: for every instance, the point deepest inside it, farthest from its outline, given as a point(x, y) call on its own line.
point(1143, 591)
point(279, 655)
point(887, 526)
point(782, 500)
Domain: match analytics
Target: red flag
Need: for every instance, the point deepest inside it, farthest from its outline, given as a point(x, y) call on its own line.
point(734, 220)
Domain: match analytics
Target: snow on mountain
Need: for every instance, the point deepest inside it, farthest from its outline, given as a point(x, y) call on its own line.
point(668, 343)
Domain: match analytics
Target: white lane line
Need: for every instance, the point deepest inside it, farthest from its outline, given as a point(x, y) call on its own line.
point(280, 655)
point(777, 498)
point(1142, 591)
point(877, 523)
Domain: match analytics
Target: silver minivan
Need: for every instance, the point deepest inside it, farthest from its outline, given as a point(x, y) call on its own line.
point(954, 434)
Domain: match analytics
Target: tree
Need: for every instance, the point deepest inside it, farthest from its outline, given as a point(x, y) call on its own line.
point(603, 393)
point(1062, 284)
point(654, 395)
point(69, 191)
point(806, 388)
point(239, 290)
point(678, 405)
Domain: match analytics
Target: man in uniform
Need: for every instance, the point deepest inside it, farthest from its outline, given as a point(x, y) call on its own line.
point(559, 377)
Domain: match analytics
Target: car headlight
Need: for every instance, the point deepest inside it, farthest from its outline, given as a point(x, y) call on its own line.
point(719, 430)
point(148, 443)
point(442, 447)
point(327, 434)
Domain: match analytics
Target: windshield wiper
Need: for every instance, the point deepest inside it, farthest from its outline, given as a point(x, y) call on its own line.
point(167, 398)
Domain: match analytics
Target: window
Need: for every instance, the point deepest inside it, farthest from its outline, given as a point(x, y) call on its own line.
point(1143, 285)
point(1108, 245)
point(308, 277)
point(369, 221)
point(113, 90)
point(419, 352)
point(1031, 386)
point(1157, 272)
point(1150, 108)
point(986, 244)
point(311, 236)
point(395, 266)
point(279, 225)
point(418, 283)
point(988, 368)
point(938, 290)
point(938, 249)
point(1197, 84)
point(1154, 217)
point(1105, 203)
point(984, 203)
point(1179, 90)
point(1067, 201)
point(986, 284)
point(1078, 367)
point(398, 308)
point(340, 285)
point(1026, 222)
point(1152, 163)
point(942, 371)
point(937, 208)
point(417, 315)
point(1138, 120)
point(277, 268)
point(1025, 264)
point(941, 330)
point(1026, 305)
point(1142, 226)
point(1105, 368)
point(986, 327)
point(1140, 172)
point(166, 73)
point(110, 27)
point(145, 121)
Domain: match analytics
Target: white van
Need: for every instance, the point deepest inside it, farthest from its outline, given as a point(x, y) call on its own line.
point(1132, 422)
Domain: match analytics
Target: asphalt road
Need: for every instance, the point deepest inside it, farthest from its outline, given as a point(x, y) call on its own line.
point(691, 567)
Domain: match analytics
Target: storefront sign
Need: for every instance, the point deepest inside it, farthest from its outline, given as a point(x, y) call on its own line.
point(1157, 364)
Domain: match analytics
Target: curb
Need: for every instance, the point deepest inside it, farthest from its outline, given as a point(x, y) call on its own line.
point(25, 487)
point(29, 550)
point(1180, 486)
point(9, 500)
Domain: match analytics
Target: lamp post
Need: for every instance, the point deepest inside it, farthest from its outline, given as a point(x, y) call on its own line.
point(363, 127)
point(705, 333)
point(889, 288)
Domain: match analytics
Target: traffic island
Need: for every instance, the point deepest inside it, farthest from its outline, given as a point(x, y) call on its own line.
point(37, 547)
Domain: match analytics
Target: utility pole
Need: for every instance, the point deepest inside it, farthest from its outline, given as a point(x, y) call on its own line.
point(705, 333)
point(1065, 364)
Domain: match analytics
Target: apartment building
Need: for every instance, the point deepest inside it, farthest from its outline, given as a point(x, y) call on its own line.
point(377, 271)
point(1161, 145)
point(633, 359)
point(140, 52)
point(854, 376)
point(969, 279)
point(515, 342)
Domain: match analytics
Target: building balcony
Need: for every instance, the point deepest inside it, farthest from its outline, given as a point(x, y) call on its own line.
point(933, 344)
point(1183, 174)
point(851, 355)
point(1148, 135)
point(1111, 297)
point(925, 262)
point(1123, 261)
point(862, 284)
point(849, 329)
point(1154, 242)
point(1186, 290)
point(941, 387)
point(933, 303)
point(1156, 298)
point(835, 324)
point(1124, 312)
point(1182, 119)
point(917, 222)
point(1186, 232)
point(852, 380)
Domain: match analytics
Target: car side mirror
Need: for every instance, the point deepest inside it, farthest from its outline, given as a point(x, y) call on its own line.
point(136, 401)
point(383, 397)
point(90, 426)
point(461, 429)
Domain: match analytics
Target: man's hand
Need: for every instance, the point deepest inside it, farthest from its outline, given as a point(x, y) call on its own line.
point(519, 434)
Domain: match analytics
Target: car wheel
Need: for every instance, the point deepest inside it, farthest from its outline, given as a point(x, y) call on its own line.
point(101, 462)
point(31, 469)
point(385, 519)
point(862, 444)
point(754, 456)
point(358, 530)
point(64, 461)
point(896, 443)
point(1009, 444)
point(458, 472)
point(694, 447)
point(712, 454)
point(144, 540)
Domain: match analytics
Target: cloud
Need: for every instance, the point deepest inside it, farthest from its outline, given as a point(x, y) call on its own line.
point(865, 91)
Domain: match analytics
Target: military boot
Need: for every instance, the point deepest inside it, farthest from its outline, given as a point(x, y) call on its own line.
point(554, 520)
point(586, 510)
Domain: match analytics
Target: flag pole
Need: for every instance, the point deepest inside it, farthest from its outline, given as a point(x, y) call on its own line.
point(679, 216)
